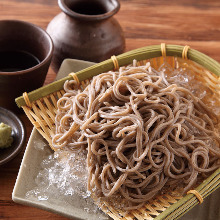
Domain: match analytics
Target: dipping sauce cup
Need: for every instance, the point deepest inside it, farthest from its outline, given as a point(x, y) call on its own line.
point(25, 55)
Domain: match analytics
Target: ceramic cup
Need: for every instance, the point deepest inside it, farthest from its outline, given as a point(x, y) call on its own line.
point(25, 55)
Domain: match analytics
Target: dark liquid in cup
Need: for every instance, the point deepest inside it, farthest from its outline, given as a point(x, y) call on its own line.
point(88, 8)
point(12, 61)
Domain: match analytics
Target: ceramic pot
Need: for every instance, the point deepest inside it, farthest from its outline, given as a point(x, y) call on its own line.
point(86, 30)
point(20, 36)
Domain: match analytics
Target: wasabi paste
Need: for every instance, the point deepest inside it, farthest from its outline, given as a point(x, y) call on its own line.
point(5, 136)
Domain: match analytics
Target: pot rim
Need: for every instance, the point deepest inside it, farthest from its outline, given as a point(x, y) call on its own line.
point(71, 13)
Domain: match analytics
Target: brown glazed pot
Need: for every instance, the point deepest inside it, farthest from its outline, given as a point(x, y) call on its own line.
point(86, 30)
point(23, 36)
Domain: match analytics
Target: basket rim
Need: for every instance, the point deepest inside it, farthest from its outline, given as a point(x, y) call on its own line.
point(124, 59)
point(208, 186)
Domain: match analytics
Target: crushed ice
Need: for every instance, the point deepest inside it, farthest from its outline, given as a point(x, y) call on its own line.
point(64, 173)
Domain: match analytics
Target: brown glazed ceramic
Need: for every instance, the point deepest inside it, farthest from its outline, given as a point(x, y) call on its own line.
point(23, 36)
point(86, 30)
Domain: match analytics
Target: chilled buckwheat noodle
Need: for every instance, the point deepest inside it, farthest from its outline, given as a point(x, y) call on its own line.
point(142, 133)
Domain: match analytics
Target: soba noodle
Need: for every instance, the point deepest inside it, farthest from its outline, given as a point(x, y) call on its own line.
point(141, 132)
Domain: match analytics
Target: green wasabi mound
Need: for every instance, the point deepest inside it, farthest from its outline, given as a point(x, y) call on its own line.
point(5, 136)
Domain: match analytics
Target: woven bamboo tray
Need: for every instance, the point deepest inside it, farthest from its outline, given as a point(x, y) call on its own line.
point(40, 107)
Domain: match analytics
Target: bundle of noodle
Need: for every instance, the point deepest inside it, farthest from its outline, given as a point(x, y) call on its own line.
point(142, 132)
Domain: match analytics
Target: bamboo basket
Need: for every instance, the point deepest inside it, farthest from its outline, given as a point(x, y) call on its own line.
point(40, 107)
